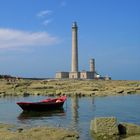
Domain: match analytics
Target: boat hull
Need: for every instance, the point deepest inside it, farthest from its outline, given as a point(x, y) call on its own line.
point(42, 106)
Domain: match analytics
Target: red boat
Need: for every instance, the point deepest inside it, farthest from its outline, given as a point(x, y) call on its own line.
point(44, 105)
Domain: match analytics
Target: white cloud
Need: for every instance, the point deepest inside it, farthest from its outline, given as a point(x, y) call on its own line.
point(11, 39)
point(44, 13)
point(47, 21)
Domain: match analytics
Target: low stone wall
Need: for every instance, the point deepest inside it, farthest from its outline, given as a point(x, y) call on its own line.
point(106, 128)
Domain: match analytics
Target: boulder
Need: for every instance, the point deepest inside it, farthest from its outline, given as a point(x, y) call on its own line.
point(129, 129)
point(104, 126)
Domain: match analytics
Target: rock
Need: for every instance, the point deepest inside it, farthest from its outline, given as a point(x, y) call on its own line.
point(131, 91)
point(20, 130)
point(120, 91)
point(137, 137)
point(137, 88)
point(95, 89)
point(2, 94)
point(129, 129)
point(104, 126)
point(104, 137)
point(26, 94)
point(58, 93)
point(51, 94)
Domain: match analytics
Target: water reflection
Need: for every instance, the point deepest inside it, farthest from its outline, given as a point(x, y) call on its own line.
point(34, 115)
point(74, 109)
point(93, 101)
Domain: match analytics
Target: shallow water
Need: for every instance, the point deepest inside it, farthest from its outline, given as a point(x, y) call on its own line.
point(76, 114)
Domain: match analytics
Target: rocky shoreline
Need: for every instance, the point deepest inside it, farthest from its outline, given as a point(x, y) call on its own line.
point(11, 132)
point(68, 87)
point(26, 87)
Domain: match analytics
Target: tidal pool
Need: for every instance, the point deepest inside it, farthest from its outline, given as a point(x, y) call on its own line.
point(76, 113)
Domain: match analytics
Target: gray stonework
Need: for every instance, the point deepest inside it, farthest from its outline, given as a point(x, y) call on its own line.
point(104, 126)
point(84, 75)
point(92, 65)
point(61, 75)
point(87, 75)
point(74, 66)
point(74, 75)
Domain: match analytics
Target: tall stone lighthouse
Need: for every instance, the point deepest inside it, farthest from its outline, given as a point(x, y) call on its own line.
point(74, 64)
point(75, 73)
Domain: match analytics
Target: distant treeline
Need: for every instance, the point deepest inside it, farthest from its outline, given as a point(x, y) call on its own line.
point(12, 77)
point(35, 78)
point(6, 76)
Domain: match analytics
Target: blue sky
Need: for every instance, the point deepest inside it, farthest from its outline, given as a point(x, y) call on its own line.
point(35, 37)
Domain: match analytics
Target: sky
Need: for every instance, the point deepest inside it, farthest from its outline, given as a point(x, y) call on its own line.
point(35, 37)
